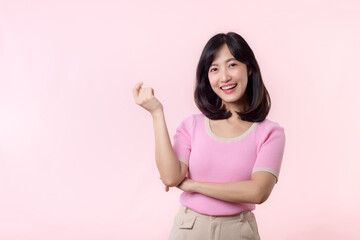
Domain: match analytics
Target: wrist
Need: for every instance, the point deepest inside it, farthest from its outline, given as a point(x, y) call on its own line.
point(157, 113)
point(195, 186)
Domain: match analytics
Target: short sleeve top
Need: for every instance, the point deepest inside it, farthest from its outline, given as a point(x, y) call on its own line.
point(211, 158)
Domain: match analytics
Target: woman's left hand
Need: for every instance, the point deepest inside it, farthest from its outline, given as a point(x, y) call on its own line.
point(187, 185)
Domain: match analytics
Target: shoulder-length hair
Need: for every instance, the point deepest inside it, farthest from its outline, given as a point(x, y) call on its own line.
point(208, 101)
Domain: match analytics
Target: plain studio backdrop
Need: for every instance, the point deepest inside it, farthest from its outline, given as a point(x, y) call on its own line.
point(77, 155)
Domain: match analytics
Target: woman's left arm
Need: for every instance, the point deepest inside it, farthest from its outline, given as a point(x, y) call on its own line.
point(257, 190)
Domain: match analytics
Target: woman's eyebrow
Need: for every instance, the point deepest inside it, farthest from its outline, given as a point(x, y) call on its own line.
point(215, 64)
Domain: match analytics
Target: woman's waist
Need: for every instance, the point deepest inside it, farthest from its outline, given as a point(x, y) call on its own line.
point(246, 215)
point(211, 206)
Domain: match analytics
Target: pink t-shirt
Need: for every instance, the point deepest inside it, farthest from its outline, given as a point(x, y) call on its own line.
point(215, 159)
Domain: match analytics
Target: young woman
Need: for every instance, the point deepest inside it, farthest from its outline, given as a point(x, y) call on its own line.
point(227, 158)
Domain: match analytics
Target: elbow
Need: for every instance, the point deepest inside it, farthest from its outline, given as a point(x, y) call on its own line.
point(261, 200)
point(174, 179)
point(170, 182)
point(260, 197)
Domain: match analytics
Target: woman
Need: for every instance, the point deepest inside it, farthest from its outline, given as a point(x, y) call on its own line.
point(226, 159)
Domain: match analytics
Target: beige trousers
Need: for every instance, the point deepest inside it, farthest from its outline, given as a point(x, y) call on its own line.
point(191, 225)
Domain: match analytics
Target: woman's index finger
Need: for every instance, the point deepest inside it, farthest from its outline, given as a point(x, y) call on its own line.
point(136, 88)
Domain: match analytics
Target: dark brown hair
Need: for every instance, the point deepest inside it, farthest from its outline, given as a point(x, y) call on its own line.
point(209, 102)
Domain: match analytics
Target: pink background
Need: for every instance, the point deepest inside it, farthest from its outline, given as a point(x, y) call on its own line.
point(77, 154)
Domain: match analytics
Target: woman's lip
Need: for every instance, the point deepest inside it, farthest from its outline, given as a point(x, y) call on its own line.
point(229, 90)
point(228, 85)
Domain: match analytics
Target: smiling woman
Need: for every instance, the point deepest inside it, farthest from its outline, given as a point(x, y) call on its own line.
point(228, 59)
point(228, 75)
point(226, 159)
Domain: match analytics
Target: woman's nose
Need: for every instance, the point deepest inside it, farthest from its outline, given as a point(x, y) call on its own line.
point(225, 76)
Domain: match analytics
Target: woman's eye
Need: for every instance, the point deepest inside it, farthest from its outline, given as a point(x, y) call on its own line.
point(212, 69)
point(233, 64)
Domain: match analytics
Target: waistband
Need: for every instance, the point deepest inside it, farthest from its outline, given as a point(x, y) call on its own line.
point(246, 215)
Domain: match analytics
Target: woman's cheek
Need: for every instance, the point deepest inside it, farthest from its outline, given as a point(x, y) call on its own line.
point(211, 80)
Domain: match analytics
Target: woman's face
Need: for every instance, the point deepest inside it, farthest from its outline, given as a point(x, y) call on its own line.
point(228, 78)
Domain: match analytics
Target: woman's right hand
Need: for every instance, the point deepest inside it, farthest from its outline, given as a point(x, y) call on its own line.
point(146, 99)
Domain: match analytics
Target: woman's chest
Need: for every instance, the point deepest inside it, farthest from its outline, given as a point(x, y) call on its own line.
point(222, 162)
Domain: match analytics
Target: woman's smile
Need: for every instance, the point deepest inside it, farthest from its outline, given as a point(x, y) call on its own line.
point(229, 88)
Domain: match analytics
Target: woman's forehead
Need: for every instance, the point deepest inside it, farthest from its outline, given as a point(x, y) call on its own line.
point(223, 55)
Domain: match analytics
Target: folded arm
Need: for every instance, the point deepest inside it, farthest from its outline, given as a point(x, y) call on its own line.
point(257, 190)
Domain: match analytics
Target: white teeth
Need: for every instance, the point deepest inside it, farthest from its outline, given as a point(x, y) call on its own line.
point(231, 86)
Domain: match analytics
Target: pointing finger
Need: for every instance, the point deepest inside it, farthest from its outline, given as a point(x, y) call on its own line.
point(136, 88)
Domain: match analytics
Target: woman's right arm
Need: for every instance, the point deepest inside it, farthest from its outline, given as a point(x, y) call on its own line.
point(172, 171)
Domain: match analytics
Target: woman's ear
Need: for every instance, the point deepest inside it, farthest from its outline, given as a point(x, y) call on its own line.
point(249, 72)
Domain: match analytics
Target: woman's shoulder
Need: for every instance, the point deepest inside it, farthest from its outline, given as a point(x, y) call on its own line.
point(268, 123)
point(268, 126)
point(194, 117)
point(191, 121)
